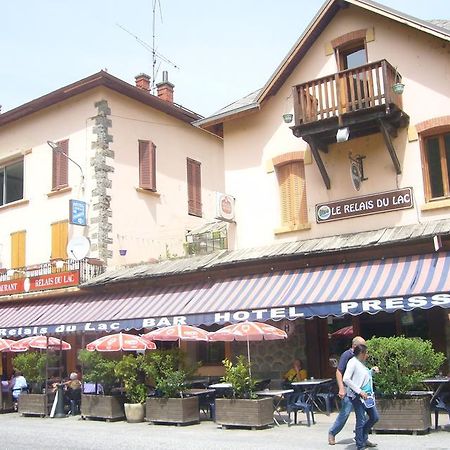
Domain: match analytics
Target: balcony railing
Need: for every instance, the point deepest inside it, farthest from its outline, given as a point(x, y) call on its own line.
point(84, 270)
point(349, 91)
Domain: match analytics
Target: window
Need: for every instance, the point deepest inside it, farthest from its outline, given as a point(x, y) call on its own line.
point(194, 187)
point(292, 185)
point(18, 249)
point(210, 352)
point(60, 170)
point(437, 165)
point(147, 165)
point(59, 240)
point(11, 183)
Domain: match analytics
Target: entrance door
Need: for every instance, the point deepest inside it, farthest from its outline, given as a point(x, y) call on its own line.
point(351, 86)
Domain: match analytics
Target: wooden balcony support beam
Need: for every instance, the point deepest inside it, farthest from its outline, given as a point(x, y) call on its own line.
point(315, 152)
point(385, 131)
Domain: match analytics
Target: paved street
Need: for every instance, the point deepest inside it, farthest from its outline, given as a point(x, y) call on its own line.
point(72, 433)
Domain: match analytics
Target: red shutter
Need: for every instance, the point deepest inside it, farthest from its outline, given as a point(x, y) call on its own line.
point(194, 187)
point(60, 173)
point(147, 165)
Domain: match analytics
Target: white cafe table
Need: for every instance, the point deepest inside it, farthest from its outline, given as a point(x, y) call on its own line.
point(221, 386)
point(311, 388)
point(436, 385)
point(277, 396)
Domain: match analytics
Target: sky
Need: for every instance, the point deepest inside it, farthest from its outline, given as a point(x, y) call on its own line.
point(224, 49)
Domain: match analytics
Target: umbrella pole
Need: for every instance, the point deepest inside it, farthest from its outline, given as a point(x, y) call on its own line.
point(248, 356)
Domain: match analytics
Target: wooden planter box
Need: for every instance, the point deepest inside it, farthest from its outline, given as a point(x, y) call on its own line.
point(35, 404)
point(245, 413)
point(409, 414)
point(102, 407)
point(181, 411)
point(6, 402)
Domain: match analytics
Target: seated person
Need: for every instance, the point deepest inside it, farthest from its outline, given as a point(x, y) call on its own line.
point(296, 373)
point(73, 386)
point(18, 384)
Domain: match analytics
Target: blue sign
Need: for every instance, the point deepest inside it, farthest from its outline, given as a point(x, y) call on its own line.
point(77, 213)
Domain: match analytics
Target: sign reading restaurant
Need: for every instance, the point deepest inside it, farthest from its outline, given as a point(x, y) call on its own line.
point(365, 205)
point(39, 283)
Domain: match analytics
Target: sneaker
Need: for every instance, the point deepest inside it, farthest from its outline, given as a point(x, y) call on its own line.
point(331, 439)
point(371, 444)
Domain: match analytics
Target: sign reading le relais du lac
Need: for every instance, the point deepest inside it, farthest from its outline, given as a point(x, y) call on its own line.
point(39, 283)
point(365, 205)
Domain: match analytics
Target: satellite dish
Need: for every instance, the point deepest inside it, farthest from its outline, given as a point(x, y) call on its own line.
point(355, 175)
point(78, 247)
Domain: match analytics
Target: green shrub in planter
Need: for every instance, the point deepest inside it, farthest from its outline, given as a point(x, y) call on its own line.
point(131, 371)
point(403, 362)
point(32, 365)
point(239, 376)
point(97, 368)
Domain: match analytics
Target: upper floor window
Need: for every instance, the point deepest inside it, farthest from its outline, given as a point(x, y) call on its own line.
point(436, 165)
point(18, 240)
point(292, 187)
point(11, 182)
point(60, 169)
point(194, 182)
point(60, 232)
point(147, 165)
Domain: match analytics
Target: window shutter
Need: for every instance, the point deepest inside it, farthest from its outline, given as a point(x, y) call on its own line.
point(60, 173)
point(292, 185)
point(147, 165)
point(194, 183)
point(18, 249)
point(59, 240)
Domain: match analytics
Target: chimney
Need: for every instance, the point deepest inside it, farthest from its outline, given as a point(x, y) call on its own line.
point(165, 88)
point(143, 81)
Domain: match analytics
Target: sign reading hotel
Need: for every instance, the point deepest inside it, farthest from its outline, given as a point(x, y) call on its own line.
point(40, 283)
point(365, 205)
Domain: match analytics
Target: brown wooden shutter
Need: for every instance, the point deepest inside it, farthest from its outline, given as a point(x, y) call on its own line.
point(60, 173)
point(18, 249)
point(59, 239)
point(292, 185)
point(147, 165)
point(194, 183)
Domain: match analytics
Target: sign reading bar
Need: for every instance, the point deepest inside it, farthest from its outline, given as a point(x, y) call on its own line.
point(40, 283)
point(365, 205)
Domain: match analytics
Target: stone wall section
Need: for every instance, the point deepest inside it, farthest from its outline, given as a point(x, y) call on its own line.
point(101, 166)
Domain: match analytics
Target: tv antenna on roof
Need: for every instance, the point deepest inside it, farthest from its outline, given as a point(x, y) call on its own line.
point(152, 48)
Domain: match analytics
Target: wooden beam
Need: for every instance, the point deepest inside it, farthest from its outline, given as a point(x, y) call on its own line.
point(390, 147)
point(323, 171)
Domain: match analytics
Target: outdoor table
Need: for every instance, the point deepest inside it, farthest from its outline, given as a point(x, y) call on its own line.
point(436, 385)
point(311, 387)
point(221, 386)
point(277, 396)
point(199, 392)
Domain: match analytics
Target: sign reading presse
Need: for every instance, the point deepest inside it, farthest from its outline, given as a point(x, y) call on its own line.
point(365, 205)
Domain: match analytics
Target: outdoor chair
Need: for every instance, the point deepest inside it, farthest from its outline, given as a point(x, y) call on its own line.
point(326, 396)
point(207, 405)
point(442, 404)
point(300, 401)
point(262, 384)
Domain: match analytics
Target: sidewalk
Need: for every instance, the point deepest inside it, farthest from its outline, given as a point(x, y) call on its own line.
point(72, 433)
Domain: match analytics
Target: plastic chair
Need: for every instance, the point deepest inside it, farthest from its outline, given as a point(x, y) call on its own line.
point(263, 384)
point(300, 401)
point(207, 405)
point(327, 394)
point(442, 404)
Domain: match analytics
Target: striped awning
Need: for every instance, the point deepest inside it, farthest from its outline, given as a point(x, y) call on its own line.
point(381, 285)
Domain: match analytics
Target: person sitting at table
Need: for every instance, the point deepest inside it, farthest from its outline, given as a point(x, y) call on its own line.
point(18, 384)
point(73, 386)
point(296, 373)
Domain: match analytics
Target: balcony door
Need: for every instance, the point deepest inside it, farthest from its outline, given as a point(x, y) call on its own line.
point(353, 85)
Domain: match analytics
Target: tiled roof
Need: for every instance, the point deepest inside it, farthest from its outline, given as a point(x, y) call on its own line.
point(443, 23)
point(308, 247)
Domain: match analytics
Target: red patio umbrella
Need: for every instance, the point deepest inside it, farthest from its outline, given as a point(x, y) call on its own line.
point(177, 333)
point(40, 342)
point(120, 341)
point(343, 332)
point(6, 344)
point(248, 331)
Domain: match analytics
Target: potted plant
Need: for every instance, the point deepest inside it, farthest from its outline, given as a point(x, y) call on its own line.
point(131, 371)
point(170, 405)
point(99, 371)
point(404, 363)
point(32, 365)
point(243, 408)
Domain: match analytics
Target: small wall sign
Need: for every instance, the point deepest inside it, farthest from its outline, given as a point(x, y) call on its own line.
point(365, 205)
point(77, 212)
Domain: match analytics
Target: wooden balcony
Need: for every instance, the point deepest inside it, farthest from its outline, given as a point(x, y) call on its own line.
point(361, 99)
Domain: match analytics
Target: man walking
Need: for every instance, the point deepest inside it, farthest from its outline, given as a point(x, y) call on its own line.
point(346, 403)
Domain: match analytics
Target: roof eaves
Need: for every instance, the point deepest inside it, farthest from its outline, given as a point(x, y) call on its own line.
point(211, 120)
